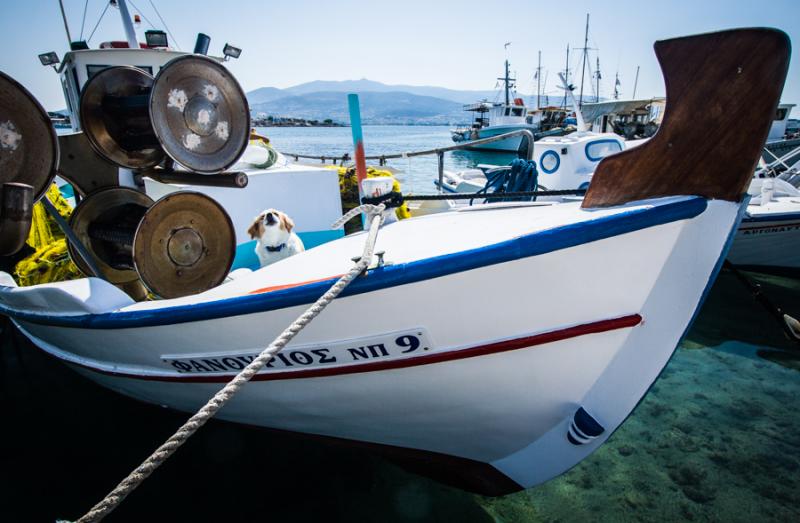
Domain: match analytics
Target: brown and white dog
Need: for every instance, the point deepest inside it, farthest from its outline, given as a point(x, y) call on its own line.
point(276, 241)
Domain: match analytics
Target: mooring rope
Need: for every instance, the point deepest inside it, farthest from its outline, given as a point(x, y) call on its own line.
point(162, 453)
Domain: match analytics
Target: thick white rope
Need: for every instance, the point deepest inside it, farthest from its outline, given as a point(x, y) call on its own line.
point(162, 453)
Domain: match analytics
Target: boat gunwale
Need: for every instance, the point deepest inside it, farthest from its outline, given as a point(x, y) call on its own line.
point(524, 246)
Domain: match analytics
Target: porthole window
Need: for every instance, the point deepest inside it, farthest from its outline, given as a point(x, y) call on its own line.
point(599, 149)
point(549, 162)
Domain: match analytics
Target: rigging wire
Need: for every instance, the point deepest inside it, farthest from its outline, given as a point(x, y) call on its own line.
point(142, 13)
point(83, 22)
point(98, 22)
point(165, 25)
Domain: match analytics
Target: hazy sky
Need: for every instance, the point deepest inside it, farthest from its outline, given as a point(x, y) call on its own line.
point(456, 44)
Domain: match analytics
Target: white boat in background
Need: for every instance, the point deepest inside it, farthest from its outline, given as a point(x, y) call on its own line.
point(631, 119)
point(562, 162)
point(400, 362)
point(496, 118)
point(768, 238)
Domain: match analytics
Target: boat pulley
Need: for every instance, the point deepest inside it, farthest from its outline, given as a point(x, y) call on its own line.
point(114, 115)
point(200, 114)
point(180, 245)
point(193, 111)
point(28, 161)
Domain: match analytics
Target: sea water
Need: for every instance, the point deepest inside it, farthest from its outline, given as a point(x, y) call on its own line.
point(717, 438)
point(415, 174)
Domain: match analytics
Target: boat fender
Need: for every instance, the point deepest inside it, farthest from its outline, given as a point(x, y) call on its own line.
point(583, 428)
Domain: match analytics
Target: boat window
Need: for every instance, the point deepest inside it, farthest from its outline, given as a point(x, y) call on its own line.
point(599, 149)
point(781, 113)
point(507, 111)
point(67, 96)
point(549, 162)
point(93, 69)
point(517, 111)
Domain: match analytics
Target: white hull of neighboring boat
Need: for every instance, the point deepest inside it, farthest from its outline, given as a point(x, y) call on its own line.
point(456, 348)
point(510, 145)
point(769, 242)
point(768, 238)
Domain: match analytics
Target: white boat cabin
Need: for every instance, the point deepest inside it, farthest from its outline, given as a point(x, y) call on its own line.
point(81, 65)
point(778, 129)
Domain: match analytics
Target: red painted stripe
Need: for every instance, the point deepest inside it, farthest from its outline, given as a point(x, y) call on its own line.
point(292, 285)
point(481, 350)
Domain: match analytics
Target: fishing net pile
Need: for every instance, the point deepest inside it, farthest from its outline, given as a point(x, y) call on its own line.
point(50, 260)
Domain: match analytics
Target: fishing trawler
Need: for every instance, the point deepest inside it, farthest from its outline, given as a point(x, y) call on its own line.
point(127, 162)
point(496, 118)
point(503, 401)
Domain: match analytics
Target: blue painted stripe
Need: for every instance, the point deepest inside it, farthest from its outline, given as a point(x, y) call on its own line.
point(246, 252)
point(534, 244)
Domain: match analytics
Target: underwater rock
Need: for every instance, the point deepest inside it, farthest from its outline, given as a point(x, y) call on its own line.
point(626, 450)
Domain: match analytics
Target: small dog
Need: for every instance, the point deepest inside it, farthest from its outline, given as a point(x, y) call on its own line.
point(276, 241)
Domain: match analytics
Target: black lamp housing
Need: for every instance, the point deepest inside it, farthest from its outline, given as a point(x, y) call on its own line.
point(231, 52)
point(156, 38)
point(50, 58)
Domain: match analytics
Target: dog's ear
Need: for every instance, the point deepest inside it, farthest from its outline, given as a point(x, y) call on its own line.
point(257, 227)
point(286, 222)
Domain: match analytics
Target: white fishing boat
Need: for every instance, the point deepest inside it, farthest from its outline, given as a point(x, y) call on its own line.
point(495, 118)
point(400, 362)
point(562, 162)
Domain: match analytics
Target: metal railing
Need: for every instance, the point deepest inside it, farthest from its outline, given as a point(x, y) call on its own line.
point(439, 152)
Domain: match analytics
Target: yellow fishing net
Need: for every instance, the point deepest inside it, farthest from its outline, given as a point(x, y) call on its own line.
point(348, 187)
point(50, 262)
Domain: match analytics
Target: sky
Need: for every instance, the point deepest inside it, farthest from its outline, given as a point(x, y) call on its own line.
point(454, 44)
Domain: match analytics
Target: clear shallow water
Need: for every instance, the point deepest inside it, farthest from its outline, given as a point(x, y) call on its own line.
point(716, 439)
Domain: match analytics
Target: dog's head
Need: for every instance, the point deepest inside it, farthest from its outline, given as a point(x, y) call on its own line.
point(271, 226)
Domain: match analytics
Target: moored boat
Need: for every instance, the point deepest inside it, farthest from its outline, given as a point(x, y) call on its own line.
point(507, 398)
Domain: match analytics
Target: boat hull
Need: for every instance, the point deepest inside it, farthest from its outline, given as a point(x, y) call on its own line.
point(769, 243)
point(468, 358)
point(506, 145)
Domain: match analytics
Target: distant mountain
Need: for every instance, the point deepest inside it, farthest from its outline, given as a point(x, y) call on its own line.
point(380, 103)
point(376, 107)
point(364, 85)
point(264, 94)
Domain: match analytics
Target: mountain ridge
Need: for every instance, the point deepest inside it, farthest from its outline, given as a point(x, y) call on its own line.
point(380, 103)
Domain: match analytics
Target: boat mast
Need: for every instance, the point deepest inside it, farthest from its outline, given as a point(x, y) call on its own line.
point(566, 76)
point(506, 82)
point(66, 26)
point(616, 86)
point(597, 93)
point(585, 50)
point(539, 82)
point(636, 82)
point(130, 34)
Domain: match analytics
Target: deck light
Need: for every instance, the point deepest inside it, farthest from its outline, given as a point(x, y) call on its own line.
point(231, 52)
point(50, 58)
point(156, 38)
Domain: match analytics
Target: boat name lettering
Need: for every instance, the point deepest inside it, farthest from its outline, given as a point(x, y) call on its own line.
point(398, 345)
point(770, 230)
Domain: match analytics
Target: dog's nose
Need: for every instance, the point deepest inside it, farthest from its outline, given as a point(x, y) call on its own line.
point(270, 218)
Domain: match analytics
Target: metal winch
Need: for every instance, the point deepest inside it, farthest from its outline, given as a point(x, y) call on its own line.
point(180, 245)
point(193, 114)
point(28, 161)
point(187, 125)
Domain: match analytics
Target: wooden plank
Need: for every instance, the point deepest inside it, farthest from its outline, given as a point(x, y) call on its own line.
point(722, 93)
